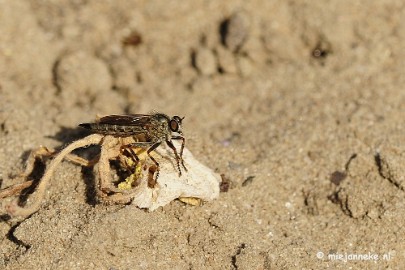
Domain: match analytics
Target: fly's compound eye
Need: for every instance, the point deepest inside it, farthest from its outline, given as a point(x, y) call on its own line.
point(174, 125)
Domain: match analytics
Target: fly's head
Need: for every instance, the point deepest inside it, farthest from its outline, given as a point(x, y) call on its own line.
point(175, 124)
point(168, 127)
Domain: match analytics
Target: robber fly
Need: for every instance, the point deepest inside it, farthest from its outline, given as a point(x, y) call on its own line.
point(148, 130)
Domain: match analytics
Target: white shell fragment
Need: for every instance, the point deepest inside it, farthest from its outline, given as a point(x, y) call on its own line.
point(198, 182)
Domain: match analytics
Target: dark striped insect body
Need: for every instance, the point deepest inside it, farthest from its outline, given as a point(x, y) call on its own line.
point(148, 131)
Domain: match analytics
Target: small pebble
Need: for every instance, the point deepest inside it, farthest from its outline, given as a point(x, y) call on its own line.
point(205, 61)
point(237, 31)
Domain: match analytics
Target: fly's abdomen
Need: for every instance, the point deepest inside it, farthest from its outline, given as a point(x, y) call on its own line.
point(108, 129)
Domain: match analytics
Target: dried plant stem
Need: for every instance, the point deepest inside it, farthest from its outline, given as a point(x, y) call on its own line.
point(15, 189)
point(15, 210)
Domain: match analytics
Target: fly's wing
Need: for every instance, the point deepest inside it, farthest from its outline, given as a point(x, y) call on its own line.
point(120, 125)
point(125, 120)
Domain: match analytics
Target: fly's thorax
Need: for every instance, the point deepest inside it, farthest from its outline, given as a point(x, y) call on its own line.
point(158, 130)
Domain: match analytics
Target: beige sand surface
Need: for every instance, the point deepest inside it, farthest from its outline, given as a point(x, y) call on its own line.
point(300, 104)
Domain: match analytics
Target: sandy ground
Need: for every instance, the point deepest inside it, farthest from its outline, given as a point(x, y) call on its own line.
point(300, 104)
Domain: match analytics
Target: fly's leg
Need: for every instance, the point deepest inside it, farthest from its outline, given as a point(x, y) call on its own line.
point(152, 169)
point(181, 149)
point(131, 154)
point(153, 147)
point(151, 182)
point(170, 144)
point(111, 149)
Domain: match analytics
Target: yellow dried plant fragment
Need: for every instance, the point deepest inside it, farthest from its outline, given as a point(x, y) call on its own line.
point(191, 200)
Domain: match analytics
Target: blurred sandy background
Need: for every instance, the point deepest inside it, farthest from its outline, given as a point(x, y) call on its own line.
point(300, 104)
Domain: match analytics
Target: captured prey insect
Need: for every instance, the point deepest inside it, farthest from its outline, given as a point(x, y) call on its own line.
point(147, 130)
